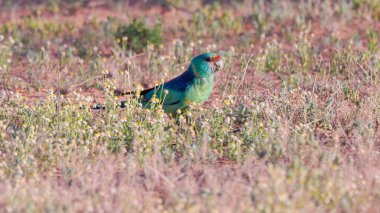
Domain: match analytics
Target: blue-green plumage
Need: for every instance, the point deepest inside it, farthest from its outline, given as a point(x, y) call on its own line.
point(194, 85)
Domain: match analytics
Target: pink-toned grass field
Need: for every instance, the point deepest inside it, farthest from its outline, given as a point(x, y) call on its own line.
point(292, 124)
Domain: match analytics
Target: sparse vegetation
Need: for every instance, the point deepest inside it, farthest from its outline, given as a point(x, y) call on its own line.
point(292, 124)
point(137, 36)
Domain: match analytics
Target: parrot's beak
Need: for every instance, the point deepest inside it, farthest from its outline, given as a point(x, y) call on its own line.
point(218, 62)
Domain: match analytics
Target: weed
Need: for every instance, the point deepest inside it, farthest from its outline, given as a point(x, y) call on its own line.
point(136, 36)
point(352, 94)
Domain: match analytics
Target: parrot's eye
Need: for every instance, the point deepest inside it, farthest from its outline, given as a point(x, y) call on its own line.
point(208, 59)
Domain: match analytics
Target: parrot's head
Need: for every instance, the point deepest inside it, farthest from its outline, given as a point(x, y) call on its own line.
point(206, 64)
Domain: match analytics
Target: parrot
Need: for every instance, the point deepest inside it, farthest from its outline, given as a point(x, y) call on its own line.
point(192, 86)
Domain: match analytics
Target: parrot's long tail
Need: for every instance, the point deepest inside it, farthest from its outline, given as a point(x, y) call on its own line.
point(121, 93)
point(122, 104)
point(102, 106)
point(118, 93)
point(143, 92)
point(98, 107)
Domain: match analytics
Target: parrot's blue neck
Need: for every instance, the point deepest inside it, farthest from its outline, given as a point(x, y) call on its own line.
point(194, 74)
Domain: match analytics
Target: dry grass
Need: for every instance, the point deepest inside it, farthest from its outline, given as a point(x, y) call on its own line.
point(292, 124)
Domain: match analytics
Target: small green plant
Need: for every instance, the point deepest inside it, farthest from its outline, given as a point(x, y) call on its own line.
point(213, 21)
point(305, 54)
point(373, 44)
point(260, 21)
point(372, 5)
point(5, 56)
point(341, 61)
point(352, 94)
point(272, 57)
point(136, 36)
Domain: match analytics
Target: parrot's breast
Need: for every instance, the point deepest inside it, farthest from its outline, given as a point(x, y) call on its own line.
point(200, 90)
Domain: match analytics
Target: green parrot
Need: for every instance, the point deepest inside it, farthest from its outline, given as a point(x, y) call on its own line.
point(194, 85)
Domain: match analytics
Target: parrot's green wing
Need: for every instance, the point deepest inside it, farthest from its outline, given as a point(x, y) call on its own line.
point(171, 99)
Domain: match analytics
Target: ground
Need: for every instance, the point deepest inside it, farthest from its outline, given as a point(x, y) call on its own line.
point(292, 124)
